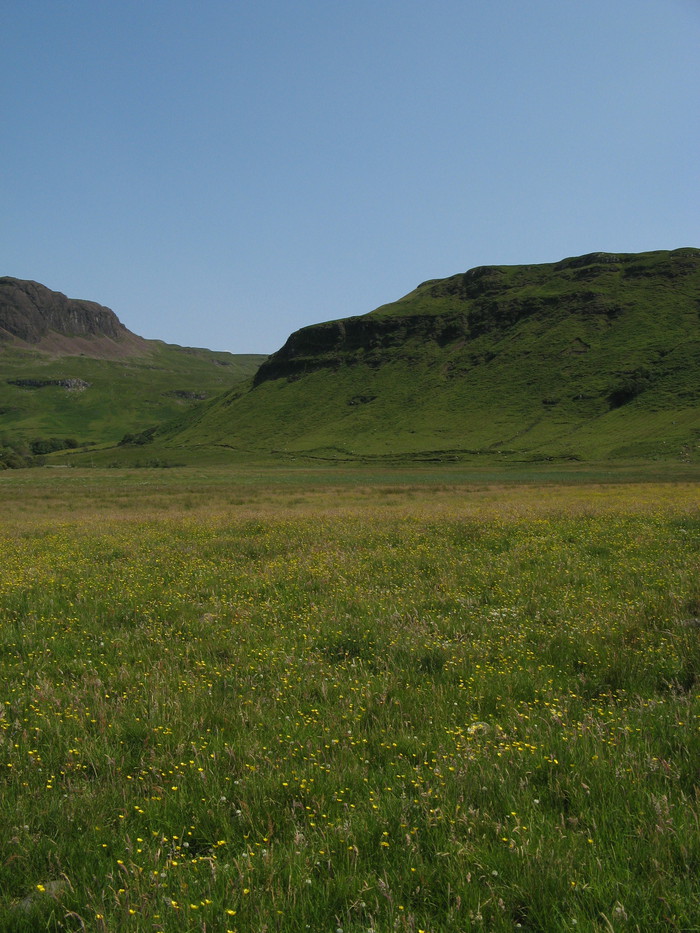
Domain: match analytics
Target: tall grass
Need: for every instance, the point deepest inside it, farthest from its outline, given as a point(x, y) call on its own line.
point(391, 709)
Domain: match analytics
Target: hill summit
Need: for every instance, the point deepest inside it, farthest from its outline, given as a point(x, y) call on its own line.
point(33, 316)
point(592, 357)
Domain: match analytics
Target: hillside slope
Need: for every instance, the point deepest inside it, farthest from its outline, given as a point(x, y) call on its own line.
point(593, 357)
point(69, 369)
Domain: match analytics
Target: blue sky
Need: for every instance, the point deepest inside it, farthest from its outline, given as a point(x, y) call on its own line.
point(223, 172)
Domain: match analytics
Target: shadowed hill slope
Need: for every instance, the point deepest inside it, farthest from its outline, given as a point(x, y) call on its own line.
point(596, 356)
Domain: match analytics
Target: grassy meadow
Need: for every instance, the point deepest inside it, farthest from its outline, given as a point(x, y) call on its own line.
point(341, 700)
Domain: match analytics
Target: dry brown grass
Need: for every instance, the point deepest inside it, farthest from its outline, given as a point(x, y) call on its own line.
point(48, 497)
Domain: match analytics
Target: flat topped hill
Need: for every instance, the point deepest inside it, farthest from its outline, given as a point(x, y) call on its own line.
point(595, 356)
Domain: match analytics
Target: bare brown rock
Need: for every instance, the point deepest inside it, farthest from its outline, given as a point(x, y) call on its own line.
point(33, 316)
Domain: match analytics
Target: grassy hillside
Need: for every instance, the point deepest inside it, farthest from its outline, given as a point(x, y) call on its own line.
point(99, 400)
point(71, 374)
point(594, 357)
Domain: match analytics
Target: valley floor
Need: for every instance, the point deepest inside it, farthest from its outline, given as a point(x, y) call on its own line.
point(414, 700)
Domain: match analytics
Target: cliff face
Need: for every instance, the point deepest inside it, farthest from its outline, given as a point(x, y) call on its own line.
point(29, 311)
point(37, 318)
point(328, 345)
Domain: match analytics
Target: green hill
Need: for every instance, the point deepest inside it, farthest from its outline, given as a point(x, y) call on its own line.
point(593, 357)
point(72, 374)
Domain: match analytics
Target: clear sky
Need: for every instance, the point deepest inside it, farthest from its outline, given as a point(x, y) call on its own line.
point(223, 172)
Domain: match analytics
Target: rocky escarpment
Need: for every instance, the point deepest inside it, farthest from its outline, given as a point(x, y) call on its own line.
point(32, 315)
point(328, 345)
point(29, 311)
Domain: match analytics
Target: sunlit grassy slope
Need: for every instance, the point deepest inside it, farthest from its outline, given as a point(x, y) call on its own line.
point(108, 398)
point(594, 357)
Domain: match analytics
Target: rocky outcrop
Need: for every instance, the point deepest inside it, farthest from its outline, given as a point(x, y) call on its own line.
point(29, 311)
point(327, 345)
point(33, 317)
point(74, 384)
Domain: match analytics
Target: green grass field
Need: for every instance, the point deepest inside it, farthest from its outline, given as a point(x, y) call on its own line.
point(299, 699)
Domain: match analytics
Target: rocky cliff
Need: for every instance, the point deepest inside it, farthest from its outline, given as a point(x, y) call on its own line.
point(32, 315)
